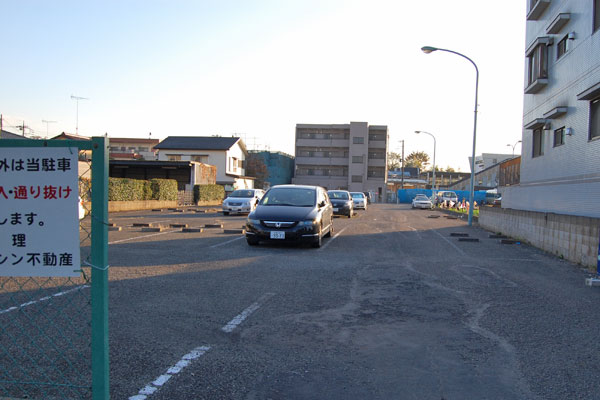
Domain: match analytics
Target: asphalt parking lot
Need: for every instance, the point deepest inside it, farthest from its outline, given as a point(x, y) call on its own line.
point(393, 306)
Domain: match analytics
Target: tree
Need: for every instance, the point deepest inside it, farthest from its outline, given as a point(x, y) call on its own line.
point(417, 159)
point(449, 169)
point(255, 166)
point(394, 161)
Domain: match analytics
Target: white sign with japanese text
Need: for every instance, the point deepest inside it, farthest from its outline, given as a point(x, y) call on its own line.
point(39, 223)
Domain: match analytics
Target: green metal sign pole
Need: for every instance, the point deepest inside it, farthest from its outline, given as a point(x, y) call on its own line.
point(99, 258)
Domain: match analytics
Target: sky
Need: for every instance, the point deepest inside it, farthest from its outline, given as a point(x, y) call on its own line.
point(257, 68)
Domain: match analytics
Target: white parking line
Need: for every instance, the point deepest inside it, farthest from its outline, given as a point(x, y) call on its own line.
point(141, 237)
point(332, 239)
point(29, 303)
point(227, 242)
point(185, 361)
point(452, 244)
point(237, 320)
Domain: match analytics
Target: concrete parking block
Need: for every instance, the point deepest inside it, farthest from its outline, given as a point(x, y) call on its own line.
point(213, 225)
point(111, 224)
point(154, 229)
point(190, 230)
point(592, 281)
point(468, 239)
point(178, 225)
point(234, 231)
point(157, 209)
point(114, 228)
point(498, 237)
point(508, 241)
point(433, 216)
point(141, 224)
point(459, 234)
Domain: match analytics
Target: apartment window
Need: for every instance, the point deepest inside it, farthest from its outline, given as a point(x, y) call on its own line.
point(595, 118)
point(562, 47)
point(357, 178)
point(358, 140)
point(559, 137)
point(538, 63)
point(377, 137)
point(596, 15)
point(357, 159)
point(202, 159)
point(538, 143)
point(174, 157)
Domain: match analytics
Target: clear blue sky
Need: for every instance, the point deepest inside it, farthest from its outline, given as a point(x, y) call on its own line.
point(259, 67)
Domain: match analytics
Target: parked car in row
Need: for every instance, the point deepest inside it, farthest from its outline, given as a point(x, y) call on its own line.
point(342, 203)
point(446, 196)
point(291, 213)
point(359, 199)
point(422, 201)
point(242, 201)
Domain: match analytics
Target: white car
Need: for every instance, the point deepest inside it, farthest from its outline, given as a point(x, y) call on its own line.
point(359, 199)
point(422, 201)
point(242, 201)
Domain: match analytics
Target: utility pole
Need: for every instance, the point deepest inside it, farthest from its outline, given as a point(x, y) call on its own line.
point(402, 178)
point(77, 98)
point(0, 125)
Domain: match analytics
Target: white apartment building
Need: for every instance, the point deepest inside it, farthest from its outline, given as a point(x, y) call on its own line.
point(342, 156)
point(560, 163)
point(486, 160)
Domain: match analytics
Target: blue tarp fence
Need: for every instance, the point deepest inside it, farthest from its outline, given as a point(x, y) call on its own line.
point(407, 195)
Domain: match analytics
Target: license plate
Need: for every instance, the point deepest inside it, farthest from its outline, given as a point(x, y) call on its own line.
point(277, 235)
point(336, 209)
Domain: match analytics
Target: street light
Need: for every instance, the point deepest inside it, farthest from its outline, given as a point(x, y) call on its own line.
point(513, 147)
point(430, 49)
point(433, 179)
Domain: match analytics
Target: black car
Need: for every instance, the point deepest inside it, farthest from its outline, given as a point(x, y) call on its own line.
point(291, 213)
point(342, 203)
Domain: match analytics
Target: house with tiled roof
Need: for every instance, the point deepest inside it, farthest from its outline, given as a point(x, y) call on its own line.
point(132, 148)
point(228, 154)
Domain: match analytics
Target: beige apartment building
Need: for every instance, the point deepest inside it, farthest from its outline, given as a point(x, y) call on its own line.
point(343, 156)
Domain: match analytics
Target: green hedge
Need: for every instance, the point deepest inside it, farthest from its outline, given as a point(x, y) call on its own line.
point(208, 193)
point(125, 189)
point(163, 189)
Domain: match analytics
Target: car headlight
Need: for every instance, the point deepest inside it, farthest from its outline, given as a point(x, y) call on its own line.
point(254, 221)
point(307, 223)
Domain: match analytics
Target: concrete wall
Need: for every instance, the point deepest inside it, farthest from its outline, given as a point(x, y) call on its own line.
point(115, 206)
point(574, 238)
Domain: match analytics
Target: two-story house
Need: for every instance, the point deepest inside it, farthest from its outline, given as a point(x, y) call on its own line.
point(228, 154)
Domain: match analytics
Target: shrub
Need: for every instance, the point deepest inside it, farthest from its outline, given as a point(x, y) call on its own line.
point(125, 189)
point(208, 193)
point(163, 189)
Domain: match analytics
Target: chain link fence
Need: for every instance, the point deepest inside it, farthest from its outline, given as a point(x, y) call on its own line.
point(45, 324)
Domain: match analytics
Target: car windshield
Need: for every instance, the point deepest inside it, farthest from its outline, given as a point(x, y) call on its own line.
point(357, 195)
point(295, 197)
point(338, 195)
point(421, 197)
point(242, 193)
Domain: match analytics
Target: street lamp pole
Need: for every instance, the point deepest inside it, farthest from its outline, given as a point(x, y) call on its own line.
point(513, 147)
point(429, 49)
point(433, 178)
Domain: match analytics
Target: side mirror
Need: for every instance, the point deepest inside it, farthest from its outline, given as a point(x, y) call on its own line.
point(322, 204)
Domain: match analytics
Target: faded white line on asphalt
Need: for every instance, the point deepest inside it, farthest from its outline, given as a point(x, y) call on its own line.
point(452, 244)
point(237, 320)
point(227, 242)
point(185, 361)
point(29, 303)
point(141, 237)
point(332, 239)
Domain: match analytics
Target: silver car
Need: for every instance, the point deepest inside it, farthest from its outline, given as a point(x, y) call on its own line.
point(422, 201)
point(242, 201)
point(359, 199)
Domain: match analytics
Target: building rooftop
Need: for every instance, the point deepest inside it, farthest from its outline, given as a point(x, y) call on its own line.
point(197, 142)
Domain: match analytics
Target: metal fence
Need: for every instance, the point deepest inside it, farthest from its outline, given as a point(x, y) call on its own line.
point(54, 330)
